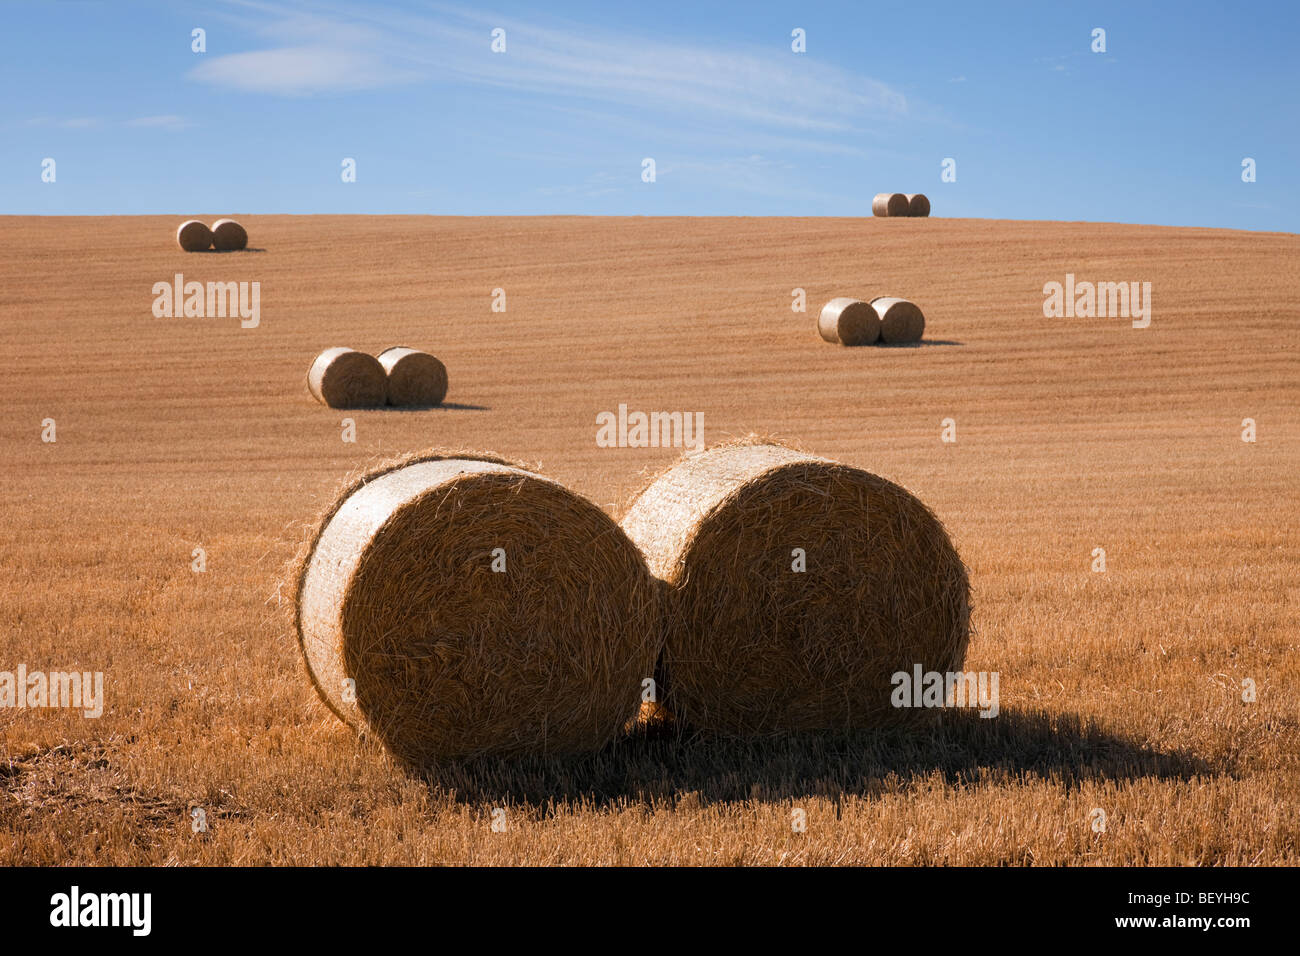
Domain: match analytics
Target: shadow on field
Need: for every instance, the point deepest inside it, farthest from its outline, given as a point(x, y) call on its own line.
point(924, 343)
point(449, 406)
point(960, 745)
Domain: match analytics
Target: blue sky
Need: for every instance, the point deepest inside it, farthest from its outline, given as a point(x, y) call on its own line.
point(1154, 130)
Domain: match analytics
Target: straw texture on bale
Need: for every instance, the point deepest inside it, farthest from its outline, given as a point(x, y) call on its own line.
point(193, 236)
point(889, 204)
point(415, 379)
point(900, 320)
point(918, 204)
point(346, 378)
point(228, 236)
point(848, 322)
point(754, 646)
point(449, 658)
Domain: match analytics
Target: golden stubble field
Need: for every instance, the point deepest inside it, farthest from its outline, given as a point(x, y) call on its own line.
point(1119, 690)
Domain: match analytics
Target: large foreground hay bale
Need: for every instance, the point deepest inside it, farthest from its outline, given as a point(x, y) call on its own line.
point(448, 657)
point(415, 379)
point(848, 322)
point(228, 236)
point(346, 378)
point(918, 204)
point(900, 320)
point(754, 646)
point(889, 204)
point(193, 236)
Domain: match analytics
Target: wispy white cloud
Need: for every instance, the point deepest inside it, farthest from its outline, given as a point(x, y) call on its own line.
point(72, 122)
point(335, 48)
point(301, 70)
point(701, 132)
point(169, 121)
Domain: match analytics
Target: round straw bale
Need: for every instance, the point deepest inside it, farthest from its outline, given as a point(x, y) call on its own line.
point(228, 236)
point(193, 236)
point(415, 379)
point(346, 378)
point(755, 645)
point(417, 630)
point(849, 322)
point(918, 204)
point(900, 320)
point(889, 204)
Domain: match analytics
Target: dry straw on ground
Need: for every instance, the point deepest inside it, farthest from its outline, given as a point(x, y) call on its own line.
point(848, 322)
point(228, 236)
point(918, 204)
point(889, 204)
point(900, 320)
point(193, 236)
point(346, 378)
point(415, 379)
point(451, 658)
point(754, 646)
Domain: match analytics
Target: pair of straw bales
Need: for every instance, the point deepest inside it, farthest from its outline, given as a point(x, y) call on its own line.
point(226, 235)
point(413, 634)
point(900, 204)
point(399, 376)
point(887, 319)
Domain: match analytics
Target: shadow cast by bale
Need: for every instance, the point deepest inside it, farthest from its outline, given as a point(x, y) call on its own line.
point(665, 763)
point(448, 406)
point(923, 343)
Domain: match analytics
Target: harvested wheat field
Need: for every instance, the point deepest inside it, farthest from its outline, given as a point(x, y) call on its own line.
point(151, 541)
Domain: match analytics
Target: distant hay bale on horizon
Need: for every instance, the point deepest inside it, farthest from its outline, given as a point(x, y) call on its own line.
point(918, 204)
point(462, 607)
point(900, 319)
point(415, 379)
point(753, 644)
point(193, 236)
point(228, 236)
point(848, 321)
point(345, 378)
point(889, 204)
